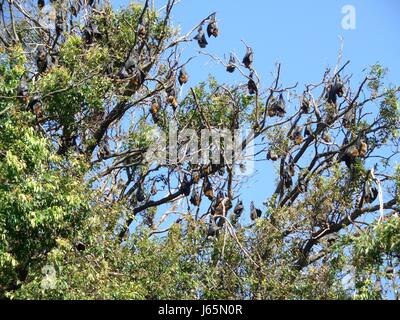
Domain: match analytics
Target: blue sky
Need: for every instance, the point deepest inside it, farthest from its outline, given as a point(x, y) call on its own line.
point(302, 35)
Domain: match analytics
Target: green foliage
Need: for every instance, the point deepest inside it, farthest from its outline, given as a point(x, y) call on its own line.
point(41, 198)
point(382, 239)
point(64, 211)
point(377, 73)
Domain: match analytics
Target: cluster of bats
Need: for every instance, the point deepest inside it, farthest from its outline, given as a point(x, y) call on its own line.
point(75, 5)
point(217, 219)
point(247, 61)
point(276, 107)
point(183, 77)
point(354, 147)
point(212, 30)
point(221, 204)
point(171, 94)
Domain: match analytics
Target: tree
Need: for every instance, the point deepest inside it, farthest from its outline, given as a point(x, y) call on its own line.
point(83, 88)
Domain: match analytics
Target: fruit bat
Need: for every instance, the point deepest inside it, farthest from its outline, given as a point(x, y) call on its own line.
point(349, 155)
point(234, 219)
point(251, 85)
point(75, 8)
point(91, 3)
point(389, 270)
point(308, 130)
point(238, 210)
point(271, 107)
point(280, 106)
point(331, 94)
point(104, 150)
point(353, 151)
point(302, 185)
point(59, 23)
point(370, 193)
point(127, 69)
point(349, 160)
point(335, 90)
point(296, 135)
point(173, 102)
point(171, 97)
point(96, 32)
point(40, 4)
point(271, 155)
point(339, 87)
point(213, 229)
point(378, 285)
point(248, 58)
point(201, 38)
point(220, 223)
point(87, 34)
point(326, 137)
point(331, 238)
point(123, 73)
point(67, 142)
point(170, 91)
point(220, 197)
point(23, 90)
point(231, 67)
point(80, 246)
point(287, 180)
point(305, 105)
point(186, 186)
point(35, 106)
point(141, 31)
point(217, 208)
point(137, 79)
point(153, 189)
point(212, 28)
point(206, 170)
point(362, 148)
point(291, 169)
point(155, 107)
point(148, 219)
point(140, 197)
point(109, 68)
point(207, 189)
point(41, 60)
point(195, 198)
point(254, 212)
point(183, 76)
point(349, 119)
point(90, 32)
point(195, 178)
point(212, 208)
point(228, 204)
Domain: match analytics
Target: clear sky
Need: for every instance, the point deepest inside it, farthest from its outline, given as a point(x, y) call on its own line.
point(302, 35)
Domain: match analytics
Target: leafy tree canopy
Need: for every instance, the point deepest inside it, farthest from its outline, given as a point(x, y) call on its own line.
point(86, 211)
